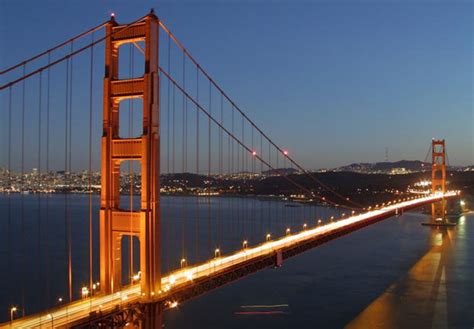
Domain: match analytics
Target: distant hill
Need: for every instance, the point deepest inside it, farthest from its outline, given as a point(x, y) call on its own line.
point(398, 167)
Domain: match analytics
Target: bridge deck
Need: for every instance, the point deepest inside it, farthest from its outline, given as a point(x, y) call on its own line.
point(196, 280)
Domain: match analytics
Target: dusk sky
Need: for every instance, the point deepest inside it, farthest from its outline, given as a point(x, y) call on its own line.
point(335, 82)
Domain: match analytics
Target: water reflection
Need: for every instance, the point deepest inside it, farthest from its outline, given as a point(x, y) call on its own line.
point(426, 296)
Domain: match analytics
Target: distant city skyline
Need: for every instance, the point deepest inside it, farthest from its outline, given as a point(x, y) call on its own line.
point(334, 83)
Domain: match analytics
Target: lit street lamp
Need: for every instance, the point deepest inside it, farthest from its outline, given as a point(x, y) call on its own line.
point(12, 310)
point(85, 292)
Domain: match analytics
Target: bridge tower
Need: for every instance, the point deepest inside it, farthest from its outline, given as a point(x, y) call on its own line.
point(438, 177)
point(114, 221)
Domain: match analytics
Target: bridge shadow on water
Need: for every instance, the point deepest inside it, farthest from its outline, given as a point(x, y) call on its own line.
point(434, 293)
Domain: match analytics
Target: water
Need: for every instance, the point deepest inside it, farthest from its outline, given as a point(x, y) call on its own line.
point(392, 274)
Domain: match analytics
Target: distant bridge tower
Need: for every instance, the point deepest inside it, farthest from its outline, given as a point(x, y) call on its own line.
point(115, 222)
point(438, 177)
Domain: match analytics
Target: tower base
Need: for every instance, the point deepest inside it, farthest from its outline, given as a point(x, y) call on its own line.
point(443, 223)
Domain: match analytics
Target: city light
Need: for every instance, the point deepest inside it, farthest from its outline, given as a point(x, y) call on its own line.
point(462, 203)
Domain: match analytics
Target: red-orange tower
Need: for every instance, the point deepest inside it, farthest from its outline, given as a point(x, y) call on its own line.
point(438, 177)
point(115, 222)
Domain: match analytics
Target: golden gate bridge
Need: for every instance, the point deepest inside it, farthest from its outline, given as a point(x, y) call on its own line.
point(163, 116)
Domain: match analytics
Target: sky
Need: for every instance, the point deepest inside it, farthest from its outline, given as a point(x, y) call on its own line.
point(334, 82)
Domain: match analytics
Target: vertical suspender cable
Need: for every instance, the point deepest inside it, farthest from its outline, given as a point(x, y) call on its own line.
point(269, 216)
point(38, 187)
point(173, 160)
point(261, 173)
point(197, 167)
point(130, 165)
point(168, 151)
point(244, 185)
point(69, 230)
point(209, 175)
point(221, 136)
point(48, 292)
point(229, 203)
point(91, 86)
point(66, 206)
point(183, 160)
point(168, 110)
point(21, 190)
point(252, 163)
point(10, 249)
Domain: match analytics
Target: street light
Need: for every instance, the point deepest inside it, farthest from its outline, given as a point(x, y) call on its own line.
point(288, 231)
point(85, 292)
point(244, 244)
point(12, 310)
point(268, 236)
point(50, 316)
point(183, 262)
point(136, 277)
point(217, 252)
